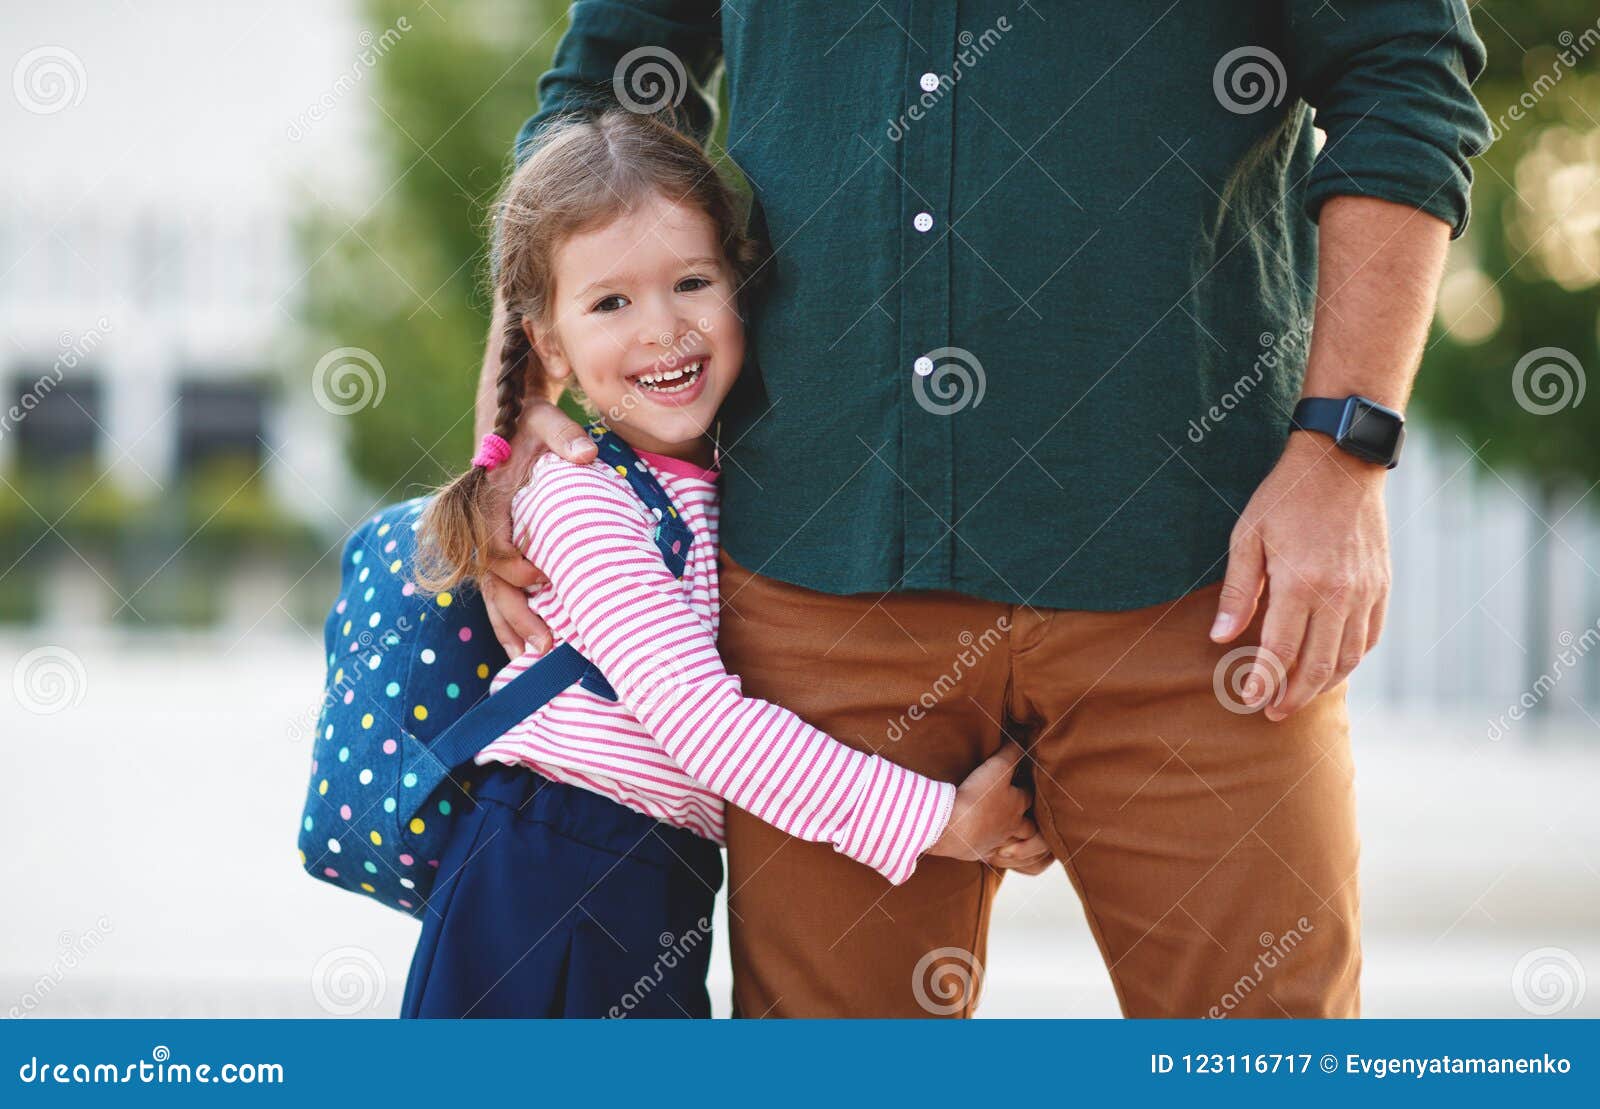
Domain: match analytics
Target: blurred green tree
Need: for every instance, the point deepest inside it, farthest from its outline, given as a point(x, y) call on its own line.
point(1526, 277)
point(402, 274)
point(1518, 328)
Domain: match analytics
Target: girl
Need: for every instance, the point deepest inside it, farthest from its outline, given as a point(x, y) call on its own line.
point(581, 883)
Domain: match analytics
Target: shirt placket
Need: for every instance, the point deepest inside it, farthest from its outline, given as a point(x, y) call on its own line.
point(927, 435)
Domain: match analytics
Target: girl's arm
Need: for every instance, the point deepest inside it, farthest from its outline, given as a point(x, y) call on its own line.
point(590, 537)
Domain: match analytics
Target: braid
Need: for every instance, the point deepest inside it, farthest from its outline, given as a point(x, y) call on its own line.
point(457, 525)
point(512, 384)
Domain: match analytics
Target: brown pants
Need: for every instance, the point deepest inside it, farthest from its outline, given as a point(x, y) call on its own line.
point(1214, 851)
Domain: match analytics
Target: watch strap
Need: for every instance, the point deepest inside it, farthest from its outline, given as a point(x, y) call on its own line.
point(1322, 414)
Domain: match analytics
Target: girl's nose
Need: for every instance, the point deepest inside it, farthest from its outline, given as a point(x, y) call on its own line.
point(664, 333)
point(662, 326)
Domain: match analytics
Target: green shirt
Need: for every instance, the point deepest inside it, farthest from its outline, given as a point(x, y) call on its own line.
point(1094, 222)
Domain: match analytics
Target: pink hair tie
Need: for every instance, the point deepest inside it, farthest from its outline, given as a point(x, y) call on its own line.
point(491, 452)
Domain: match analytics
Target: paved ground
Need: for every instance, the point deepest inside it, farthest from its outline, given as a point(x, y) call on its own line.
point(152, 869)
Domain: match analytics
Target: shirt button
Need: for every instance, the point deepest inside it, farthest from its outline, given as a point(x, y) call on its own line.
point(923, 366)
point(922, 221)
point(929, 82)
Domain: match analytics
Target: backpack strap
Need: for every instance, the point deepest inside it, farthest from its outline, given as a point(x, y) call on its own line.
point(495, 715)
point(671, 535)
point(563, 667)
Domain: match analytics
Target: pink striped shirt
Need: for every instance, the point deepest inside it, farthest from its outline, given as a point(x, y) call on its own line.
point(682, 738)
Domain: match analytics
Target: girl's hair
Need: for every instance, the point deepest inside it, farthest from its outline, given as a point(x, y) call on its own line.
point(586, 171)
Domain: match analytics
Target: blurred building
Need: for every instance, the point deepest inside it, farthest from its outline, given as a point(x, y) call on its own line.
point(150, 270)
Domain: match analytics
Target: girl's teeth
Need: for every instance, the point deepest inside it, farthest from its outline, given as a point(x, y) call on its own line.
point(659, 383)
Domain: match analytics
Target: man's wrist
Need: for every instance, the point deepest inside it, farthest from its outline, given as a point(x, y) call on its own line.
point(1312, 448)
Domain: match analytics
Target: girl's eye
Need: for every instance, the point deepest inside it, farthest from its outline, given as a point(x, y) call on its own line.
point(695, 284)
point(604, 304)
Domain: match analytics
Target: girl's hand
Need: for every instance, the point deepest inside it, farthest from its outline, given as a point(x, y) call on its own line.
point(1028, 854)
point(989, 813)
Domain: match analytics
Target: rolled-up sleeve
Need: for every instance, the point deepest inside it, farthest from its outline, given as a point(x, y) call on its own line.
point(1391, 83)
point(669, 44)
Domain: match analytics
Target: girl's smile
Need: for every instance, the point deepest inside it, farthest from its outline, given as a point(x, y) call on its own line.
point(677, 384)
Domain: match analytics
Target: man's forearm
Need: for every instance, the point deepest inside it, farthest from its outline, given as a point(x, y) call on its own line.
point(1378, 273)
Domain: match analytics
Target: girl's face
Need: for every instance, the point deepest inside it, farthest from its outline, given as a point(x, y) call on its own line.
point(646, 320)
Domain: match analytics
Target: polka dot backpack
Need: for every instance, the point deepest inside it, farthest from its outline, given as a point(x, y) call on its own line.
point(406, 705)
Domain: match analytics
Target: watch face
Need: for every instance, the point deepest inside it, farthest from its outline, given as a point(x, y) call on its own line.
point(1371, 430)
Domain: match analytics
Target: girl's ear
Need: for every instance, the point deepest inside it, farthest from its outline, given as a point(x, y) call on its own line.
point(551, 357)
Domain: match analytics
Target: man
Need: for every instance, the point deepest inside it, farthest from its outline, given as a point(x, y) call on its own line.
point(1015, 456)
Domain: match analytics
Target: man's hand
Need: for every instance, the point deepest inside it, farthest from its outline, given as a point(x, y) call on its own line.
point(1316, 535)
point(505, 590)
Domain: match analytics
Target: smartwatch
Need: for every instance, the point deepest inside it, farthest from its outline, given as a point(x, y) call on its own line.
point(1358, 425)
